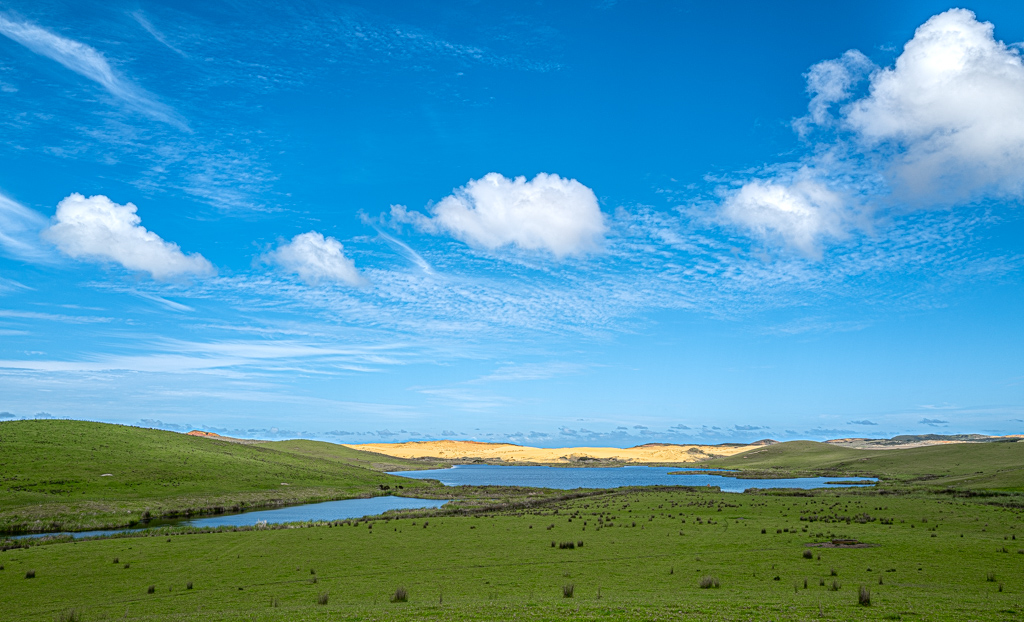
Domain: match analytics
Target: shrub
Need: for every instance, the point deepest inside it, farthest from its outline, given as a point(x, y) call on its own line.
point(31, 574)
point(567, 590)
point(323, 598)
point(151, 589)
point(567, 545)
point(117, 560)
point(708, 582)
point(864, 596)
point(400, 595)
point(821, 582)
point(579, 544)
point(805, 584)
point(832, 573)
point(188, 586)
point(69, 615)
point(808, 554)
point(127, 565)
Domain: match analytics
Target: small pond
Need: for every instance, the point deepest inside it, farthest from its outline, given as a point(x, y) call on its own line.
point(326, 511)
point(568, 478)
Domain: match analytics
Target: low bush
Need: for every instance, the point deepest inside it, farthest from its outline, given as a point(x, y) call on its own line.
point(708, 583)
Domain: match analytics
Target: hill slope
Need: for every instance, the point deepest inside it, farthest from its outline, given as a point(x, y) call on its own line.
point(963, 466)
point(79, 474)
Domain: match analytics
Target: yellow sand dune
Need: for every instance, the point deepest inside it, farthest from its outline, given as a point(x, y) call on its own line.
point(458, 450)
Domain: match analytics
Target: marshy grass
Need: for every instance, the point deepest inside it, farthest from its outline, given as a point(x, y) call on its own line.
point(864, 596)
point(69, 615)
point(323, 598)
point(568, 590)
point(400, 595)
point(708, 582)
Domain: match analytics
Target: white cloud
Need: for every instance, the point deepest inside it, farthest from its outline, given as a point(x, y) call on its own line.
point(943, 126)
point(97, 229)
point(19, 230)
point(799, 212)
point(90, 63)
point(547, 213)
point(316, 258)
point(953, 109)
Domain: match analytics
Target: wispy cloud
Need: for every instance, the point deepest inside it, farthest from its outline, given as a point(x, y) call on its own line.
point(19, 232)
point(90, 63)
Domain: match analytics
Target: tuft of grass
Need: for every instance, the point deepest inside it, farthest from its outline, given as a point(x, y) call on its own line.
point(127, 565)
point(400, 596)
point(568, 590)
point(990, 577)
point(864, 596)
point(567, 545)
point(117, 560)
point(808, 554)
point(31, 574)
point(835, 586)
point(832, 573)
point(151, 589)
point(323, 598)
point(274, 602)
point(708, 582)
point(69, 615)
point(188, 586)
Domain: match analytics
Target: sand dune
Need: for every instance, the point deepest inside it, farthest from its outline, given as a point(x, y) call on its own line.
point(457, 450)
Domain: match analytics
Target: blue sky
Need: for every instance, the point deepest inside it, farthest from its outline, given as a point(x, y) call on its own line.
point(600, 223)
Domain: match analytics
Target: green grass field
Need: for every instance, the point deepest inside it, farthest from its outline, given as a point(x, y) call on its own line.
point(942, 538)
point(973, 466)
point(52, 474)
point(644, 553)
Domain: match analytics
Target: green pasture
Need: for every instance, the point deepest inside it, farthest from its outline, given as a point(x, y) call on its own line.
point(644, 554)
point(968, 466)
point(78, 475)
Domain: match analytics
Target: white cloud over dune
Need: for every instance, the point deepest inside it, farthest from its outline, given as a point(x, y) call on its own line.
point(316, 258)
point(941, 127)
point(97, 229)
point(547, 213)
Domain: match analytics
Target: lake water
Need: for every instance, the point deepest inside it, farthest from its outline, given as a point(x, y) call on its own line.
point(326, 511)
point(568, 478)
point(563, 478)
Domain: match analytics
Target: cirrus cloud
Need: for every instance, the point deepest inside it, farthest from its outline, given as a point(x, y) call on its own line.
point(97, 229)
point(547, 213)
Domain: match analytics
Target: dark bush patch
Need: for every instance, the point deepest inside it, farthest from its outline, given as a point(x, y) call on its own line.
point(708, 583)
point(864, 596)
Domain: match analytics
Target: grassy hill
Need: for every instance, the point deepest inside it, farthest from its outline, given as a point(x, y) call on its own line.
point(79, 474)
point(991, 466)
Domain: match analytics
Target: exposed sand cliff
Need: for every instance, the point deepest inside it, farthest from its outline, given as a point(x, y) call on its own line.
point(470, 450)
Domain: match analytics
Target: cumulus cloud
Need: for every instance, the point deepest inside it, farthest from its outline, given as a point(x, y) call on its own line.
point(316, 258)
point(19, 230)
point(953, 107)
point(547, 213)
point(799, 211)
point(943, 126)
point(88, 62)
point(97, 229)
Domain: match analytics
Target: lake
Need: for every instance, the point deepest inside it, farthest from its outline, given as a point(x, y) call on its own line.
point(568, 478)
point(326, 511)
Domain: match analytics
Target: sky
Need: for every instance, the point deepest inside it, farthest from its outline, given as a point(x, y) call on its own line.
point(570, 223)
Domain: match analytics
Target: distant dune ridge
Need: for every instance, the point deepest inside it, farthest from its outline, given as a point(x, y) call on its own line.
point(507, 452)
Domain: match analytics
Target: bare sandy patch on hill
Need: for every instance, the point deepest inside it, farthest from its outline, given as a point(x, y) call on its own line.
point(505, 452)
